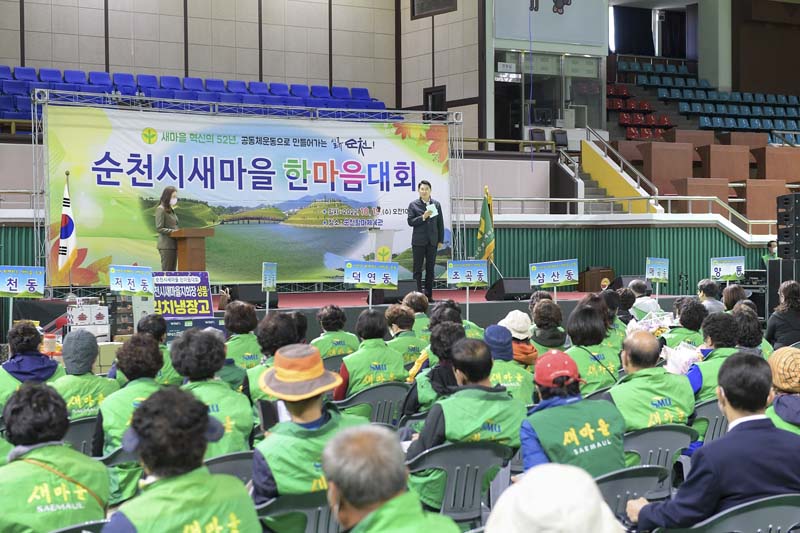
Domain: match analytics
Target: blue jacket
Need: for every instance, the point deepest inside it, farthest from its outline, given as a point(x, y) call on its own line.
point(31, 366)
point(754, 460)
point(532, 451)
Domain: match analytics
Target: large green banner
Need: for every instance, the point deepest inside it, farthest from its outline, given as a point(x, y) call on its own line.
point(306, 194)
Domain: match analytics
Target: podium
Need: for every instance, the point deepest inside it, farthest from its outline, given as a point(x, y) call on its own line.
point(589, 280)
point(192, 248)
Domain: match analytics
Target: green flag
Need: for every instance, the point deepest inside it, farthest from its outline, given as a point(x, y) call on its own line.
point(485, 248)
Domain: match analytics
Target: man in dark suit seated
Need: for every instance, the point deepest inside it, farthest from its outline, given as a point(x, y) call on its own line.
point(754, 460)
point(425, 216)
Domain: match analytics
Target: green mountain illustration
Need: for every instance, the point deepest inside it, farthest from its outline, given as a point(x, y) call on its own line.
point(272, 214)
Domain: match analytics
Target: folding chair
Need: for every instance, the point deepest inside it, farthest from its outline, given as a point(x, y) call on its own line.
point(775, 514)
point(237, 464)
point(313, 505)
point(118, 457)
point(333, 363)
point(88, 527)
point(79, 434)
point(385, 401)
point(629, 483)
point(717, 423)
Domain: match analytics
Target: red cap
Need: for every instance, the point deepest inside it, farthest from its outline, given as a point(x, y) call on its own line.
point(555, 364)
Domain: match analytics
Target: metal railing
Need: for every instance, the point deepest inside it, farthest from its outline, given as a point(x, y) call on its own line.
point(550, 145)
point(15, 124)
point(28, 203)
point(641, 181)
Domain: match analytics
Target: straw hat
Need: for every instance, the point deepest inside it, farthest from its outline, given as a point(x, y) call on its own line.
point(298, 374)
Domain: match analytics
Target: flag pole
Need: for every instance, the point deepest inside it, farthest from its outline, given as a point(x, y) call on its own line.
point(70, 294)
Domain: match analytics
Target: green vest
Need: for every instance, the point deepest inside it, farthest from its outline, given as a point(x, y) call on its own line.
point(426, 395)
point(117, 411)
point(372, 364)
point(675, 336)
point(421, 327)
point(196, 501)
point(472, 330)
point(5, 447)
point(516, 380)
point(616, 335)
point(83, 394)
point(471, 415)
point(9, 384)
point(767, 257)
point(332, 343)
point(598, 366)
point(120, 378)
point(780, 423)
point(233, 375)
point(404, 514)
point(232, 409)
point(653, 397)
point(38, 500)
point(253, 380)
point(587, 434)
point(709, 369)
point(766, 348)
point(244, 349)
point(408, 345)
point(168, 375)
point(294, 455)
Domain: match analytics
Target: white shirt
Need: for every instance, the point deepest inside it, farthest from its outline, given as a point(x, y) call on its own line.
point(745, 419)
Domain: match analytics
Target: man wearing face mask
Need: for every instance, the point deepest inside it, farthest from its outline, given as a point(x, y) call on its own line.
point(772, 253)
point(425, 216)
point(167, 223)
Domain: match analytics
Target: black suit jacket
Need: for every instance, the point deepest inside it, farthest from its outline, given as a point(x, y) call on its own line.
point(426, 232)
point(755, 460)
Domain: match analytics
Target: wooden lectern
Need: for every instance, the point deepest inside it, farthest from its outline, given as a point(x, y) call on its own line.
point(192, 248)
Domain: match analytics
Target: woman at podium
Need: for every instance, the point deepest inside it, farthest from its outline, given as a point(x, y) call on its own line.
point(166, 223)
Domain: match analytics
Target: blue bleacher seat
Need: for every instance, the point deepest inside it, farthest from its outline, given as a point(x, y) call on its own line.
point(646, 67)
point(790, 138)
point(340, 92)
point(102, 79)
point(730, 123)
point(666, 81)
point(320, 91)
point(705, 123)
point(683, 69)
point(258, 87)
point(125, 83)
point(375, 104)
point(672, 69)
point(697, 108)
point(146, 82)
point(32, 85)
point(231, 98)
point(172, 83)
point(734, 110)
point(17, 109)
point(742, 123)
point(269, 99)
point(771, 99)
point(755, 123)
point(791, 125)
point(708, 109)
point(635, 66)
point(767, 123)
point(699, 94)
point(214, 85)
point(360, 93)
point(50, 75)
point(237, 86)
point(756, 111)
point(6, 105)
point(722, 109)
point(780, 124)
point(769, 111)
point(675, 94)
point(662, 93)
point(299, 90)
point(683, 108)
point(192, 84)
point(279, 89)
point(780, 112)
point(760, 98)
point(15, 87)
point(64, 86)
point(688, 94)
point(660, 68)
point(723, 96)
point(252, 99)
point(654, 80)
point(161, 93)
point(77, 77)
point(712, 96)
point(641, 79)
point(718, 123)
point(185, 95)
point(622, 66)
point(205, 96)
point(294, 101)
point(736, 96)
point(748, 98)
point(793, 100)
point(25, 74)
point(5, 73)
point(791, 112)
point(679, 82)
point(691, 82)
point(782, 100)
point(704, 84)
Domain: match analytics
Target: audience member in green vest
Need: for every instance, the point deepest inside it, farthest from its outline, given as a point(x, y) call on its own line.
point(46, 484)
point(400, 319)
point(519, 324)
point(288, 460)
point(197, 356)
point(82, 390)
point(546, 332)
point(772, 253)
point(374, 362)
point(720, 337)
point(334, 339)
point(644, 303)
point(732, 294)
point(563, 428)
point(505, 372)
point(242, 345)
point(616, 328)
point(230, 373)
point(626, 301)
point(156, 326)
point(26, 362)
point(418, 303)
point(274, 331)
point(477, 412)
point(598, 363)
point(785, 409)
point(691, 314)
point(378, 502)
point(140, 359)
point(440, 313)
point(434, 383)
point(169, 433)
point(750, 339)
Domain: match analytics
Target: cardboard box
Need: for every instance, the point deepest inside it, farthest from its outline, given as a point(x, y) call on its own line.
point(78, 315)
point(100, 314)
point(105, 357)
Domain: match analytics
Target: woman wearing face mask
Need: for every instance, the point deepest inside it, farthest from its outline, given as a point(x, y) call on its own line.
point(167, 223)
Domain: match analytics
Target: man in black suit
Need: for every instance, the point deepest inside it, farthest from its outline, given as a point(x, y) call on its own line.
point(425, 216)
point(754, 460)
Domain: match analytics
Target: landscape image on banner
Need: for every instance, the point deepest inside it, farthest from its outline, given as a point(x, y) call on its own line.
point(306, 194)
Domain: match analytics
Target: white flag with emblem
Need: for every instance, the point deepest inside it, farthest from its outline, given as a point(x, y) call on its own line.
point(67, 244)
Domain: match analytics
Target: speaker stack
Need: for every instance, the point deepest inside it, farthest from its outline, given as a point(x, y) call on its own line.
point(787, 267)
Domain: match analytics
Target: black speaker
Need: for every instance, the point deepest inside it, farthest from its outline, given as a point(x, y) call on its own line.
point(252, 293)
point(384, 296)
point(621, 282)
point(788, 217)
point(509, 289)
